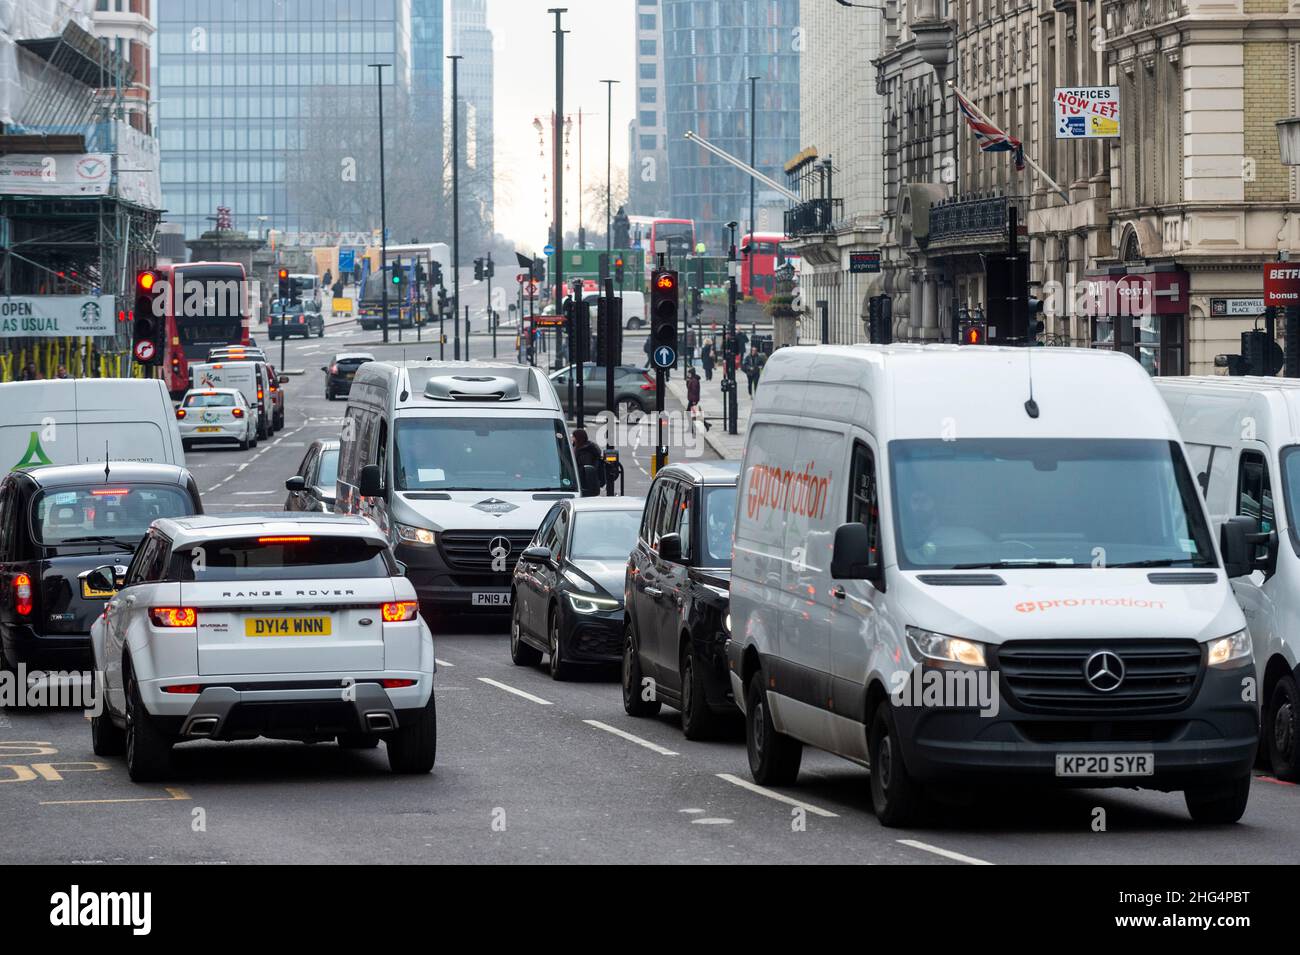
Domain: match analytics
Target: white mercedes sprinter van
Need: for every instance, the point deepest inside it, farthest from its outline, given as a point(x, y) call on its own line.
point(963, 564)
point(1243, 441)
point(458, 462)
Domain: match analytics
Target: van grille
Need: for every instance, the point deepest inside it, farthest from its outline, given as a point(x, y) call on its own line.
point(1047, 676)
point(469, 551)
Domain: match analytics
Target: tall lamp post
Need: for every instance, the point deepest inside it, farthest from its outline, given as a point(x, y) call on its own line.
point(557, 176)
point(383, 202)
point(455, 211)
point(753, 115)
point(609, 145)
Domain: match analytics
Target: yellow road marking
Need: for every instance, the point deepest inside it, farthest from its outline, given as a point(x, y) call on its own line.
point(173, 795)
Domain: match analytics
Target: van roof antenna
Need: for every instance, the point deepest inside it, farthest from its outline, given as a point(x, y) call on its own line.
point(106, 477)
point(1031, 406)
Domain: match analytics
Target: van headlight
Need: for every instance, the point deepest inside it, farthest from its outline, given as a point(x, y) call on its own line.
point(1234, 650)
point(585, 604)
point(929, 647)
point(415, 535)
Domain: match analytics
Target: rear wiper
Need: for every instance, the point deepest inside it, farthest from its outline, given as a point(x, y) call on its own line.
point(1164, 562)
point(92, 539)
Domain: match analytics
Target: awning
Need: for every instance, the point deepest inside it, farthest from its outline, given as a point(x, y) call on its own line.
point(1136, 292)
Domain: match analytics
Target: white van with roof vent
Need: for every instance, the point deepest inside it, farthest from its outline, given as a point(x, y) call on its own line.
point(1243, 440)
point(957, 565)
point(458, 462)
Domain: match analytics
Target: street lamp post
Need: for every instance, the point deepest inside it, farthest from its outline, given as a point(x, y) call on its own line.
point(383, 202)
point(753, 114)
point(729, 340)
point(557, 173)
point(609, 189)
point(455, 211)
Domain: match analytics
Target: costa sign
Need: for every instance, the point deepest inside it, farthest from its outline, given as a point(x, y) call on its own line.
point(1281, 284)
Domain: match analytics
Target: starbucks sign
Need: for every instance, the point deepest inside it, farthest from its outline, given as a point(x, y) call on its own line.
point(56, 316)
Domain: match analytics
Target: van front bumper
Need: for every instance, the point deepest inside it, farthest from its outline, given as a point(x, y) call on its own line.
point(1210, 739)
point(443, 591)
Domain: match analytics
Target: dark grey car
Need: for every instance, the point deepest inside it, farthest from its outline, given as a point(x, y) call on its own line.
point(312, 488)
point(634, 388)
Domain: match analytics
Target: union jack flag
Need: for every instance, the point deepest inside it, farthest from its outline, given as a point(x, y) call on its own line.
point(989, 137)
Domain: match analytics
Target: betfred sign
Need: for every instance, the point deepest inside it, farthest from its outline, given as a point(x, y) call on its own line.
point(1281, 284)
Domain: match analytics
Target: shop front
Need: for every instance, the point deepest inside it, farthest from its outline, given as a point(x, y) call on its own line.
point(1141, 311)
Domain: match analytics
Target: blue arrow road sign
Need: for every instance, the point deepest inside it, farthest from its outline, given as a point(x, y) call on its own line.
point(548, 250)
point(665, 357)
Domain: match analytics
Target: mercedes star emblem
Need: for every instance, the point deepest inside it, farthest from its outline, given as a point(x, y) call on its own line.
point(1104, 671)
point(499, 546)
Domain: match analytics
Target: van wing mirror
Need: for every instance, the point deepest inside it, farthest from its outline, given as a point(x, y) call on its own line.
point(371, 483)
point(851, 554)
point(1235, 541)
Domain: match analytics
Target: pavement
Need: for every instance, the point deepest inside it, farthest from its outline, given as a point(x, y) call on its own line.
point(533, 770)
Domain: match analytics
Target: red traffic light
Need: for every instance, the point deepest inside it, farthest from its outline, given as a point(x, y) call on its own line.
point(618, 262)
point(145, 280)
point(974, 335)
point(284, 274)
point(667, 281)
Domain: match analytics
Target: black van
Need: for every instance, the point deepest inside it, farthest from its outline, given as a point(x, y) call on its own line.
point(56, 524)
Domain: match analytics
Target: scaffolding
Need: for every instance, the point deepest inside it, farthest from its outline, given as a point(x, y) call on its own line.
point(66, 244)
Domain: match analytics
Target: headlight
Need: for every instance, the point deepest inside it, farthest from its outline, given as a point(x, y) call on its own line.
point(584, 604)
point(1234, 650)
point(415, 535)
point(726, 622)
point(928, 647)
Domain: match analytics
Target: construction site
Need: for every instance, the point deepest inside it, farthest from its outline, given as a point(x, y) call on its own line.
point(80, 197)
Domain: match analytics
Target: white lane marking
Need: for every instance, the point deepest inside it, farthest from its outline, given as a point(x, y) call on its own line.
point(711, 821)
point(270, 444)
point(779, 797)
point(655, 747)
point(251, 493)
point(443, 663)
point(946, 853)
point(687, 811)
point(510, 689)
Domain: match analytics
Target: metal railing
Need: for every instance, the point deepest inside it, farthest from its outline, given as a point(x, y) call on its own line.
point(813, 216)
point(966, 217)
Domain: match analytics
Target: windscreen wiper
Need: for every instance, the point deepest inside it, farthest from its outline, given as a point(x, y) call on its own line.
point(1009, 564)
point(93, 539)
point(1163, 562)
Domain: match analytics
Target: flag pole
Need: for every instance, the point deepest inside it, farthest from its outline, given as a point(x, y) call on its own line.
point(1028, 159)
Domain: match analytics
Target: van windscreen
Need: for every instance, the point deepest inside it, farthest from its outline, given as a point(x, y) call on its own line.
point(482, 454)
point(1045, 502)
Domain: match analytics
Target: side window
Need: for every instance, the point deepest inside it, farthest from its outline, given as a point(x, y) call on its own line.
point(349, 466)
point(308, 463)
point(544, 530)
point(156, 567)
point(6, 505)
point(863, 502)
point(685, 514)
point(665, 516)
point(135, 572)
point(559, 532)
point(650, 514)
point(1254, 493)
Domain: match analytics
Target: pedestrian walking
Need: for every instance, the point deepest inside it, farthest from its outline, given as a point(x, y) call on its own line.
point(752, 366)
point(586, 453)
point(706, 360)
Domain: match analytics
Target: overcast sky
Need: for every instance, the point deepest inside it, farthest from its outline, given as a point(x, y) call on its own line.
point(600, 43)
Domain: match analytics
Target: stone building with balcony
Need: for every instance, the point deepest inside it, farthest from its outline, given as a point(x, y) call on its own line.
point(838, 172)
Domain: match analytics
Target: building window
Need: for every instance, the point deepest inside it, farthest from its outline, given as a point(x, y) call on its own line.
point(647, 71)
point(649, 94)
point(649, 142)
point(647, 21)
point(648, 47)
point(648, 118)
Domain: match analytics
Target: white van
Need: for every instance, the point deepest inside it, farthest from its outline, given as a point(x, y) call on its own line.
point(633, 307)
point(962, 564)
point(1242, 437)
point(79, 420)
point(458, 462)
point(253, 378)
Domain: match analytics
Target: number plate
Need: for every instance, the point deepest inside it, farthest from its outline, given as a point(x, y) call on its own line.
point(490, 600)
point(1105, 764)
point(208, 428)
point(287, 626)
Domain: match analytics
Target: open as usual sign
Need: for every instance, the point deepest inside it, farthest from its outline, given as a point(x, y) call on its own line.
point(1087, 112)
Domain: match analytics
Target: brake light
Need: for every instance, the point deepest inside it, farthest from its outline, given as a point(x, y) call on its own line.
point(292, 539)
point(186, 688)
point(394, 684)
point(259, 394)
point(173, 616)
point(237, 412)
point(110, 492)
point(648, 386)
point(180, 412)
point(23, 595)
point(398, 610)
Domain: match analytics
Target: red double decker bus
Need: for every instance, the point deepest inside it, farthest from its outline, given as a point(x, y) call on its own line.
point(765, 248)
point(206, 304)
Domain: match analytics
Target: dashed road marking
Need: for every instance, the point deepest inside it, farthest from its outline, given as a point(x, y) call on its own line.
point(779, 797)
point(946, 853)
point(654, 747)
point(510, 689)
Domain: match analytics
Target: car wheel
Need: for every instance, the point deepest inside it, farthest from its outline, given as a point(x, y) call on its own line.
point(358, 741)
point(698, 721)
point(320, 332)
point(413, 748)
point(148, 751)
point(329, 394)
point(634, 701)
point(558, 667)
point(773, 757)
point(521, 654)
point(1219, 805)
point(106, 737)
point(1282, 729)
point(244, 444)
point(895, 797)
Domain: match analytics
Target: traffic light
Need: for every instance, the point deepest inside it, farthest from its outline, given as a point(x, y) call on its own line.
point(873, 319)
point(295, 291)
point(697, 301)
point(538, 271)
point(489, 268)
point(478, 270)
point(618, 270)
point(442, 300)
point(972, 333)
point(664, 304)
point(148, 320)
point(1036, 324)
point(397, 276)
point(284, 284)
point(436, 273)
point(1259, 356)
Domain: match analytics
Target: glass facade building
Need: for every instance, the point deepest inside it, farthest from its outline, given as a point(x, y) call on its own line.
point(251, 91)
point(710, 49)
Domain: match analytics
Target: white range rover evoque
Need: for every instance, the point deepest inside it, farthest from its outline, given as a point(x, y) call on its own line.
point(231, 628)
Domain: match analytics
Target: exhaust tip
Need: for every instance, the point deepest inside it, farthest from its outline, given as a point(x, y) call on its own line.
point(203, 726)
point(376, 722)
